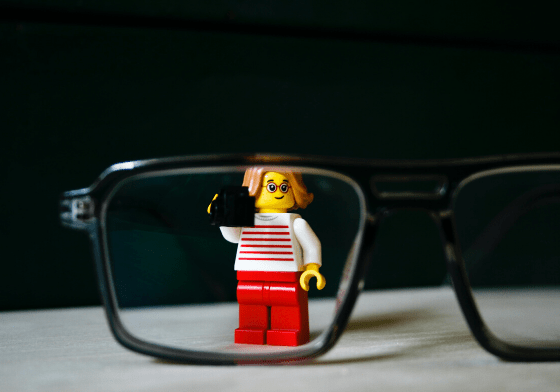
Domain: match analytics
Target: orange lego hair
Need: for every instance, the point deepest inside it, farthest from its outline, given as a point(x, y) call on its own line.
point(254, 176)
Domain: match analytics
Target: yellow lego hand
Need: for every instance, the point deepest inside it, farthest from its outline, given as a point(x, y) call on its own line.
point(215, 196)
point(312, 270)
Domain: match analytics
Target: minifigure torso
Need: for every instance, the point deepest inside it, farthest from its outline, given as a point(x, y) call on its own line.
point(271, 245)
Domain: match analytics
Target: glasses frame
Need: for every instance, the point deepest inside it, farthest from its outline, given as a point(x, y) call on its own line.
point(83, 209)
point(278, 187)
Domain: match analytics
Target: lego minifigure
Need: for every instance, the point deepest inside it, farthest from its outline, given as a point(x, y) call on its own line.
point(275, 261)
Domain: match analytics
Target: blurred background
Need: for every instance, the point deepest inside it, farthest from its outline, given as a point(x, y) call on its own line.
point(84, 85)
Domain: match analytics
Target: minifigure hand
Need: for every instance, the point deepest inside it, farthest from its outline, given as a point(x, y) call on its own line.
point(312, 270)
point(215, 196)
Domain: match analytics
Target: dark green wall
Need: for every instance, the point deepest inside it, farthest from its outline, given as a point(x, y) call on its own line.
point(76, 98)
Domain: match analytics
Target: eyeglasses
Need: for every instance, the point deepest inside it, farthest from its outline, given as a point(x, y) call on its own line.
point(272, 187)
point(176, 287)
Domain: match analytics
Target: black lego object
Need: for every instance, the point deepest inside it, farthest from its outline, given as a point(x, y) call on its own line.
point(233, 208)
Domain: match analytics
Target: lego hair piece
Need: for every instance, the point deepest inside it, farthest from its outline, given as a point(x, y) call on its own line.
point(254, 176)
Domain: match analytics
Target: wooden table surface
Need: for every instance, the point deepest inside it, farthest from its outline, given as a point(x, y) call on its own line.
point(405, 340)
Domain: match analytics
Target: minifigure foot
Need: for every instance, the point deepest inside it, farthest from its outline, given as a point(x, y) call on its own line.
point(286, 337)
point(250, 336)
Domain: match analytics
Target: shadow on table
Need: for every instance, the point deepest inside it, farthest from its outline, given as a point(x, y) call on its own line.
point(387, 320)
point(413, 345)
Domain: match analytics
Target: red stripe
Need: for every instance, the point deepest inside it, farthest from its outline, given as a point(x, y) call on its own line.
point(266, 246)
point(264, 258)
point(272, 227)
point(275, 253)
point(265, 239)
point(266, 232)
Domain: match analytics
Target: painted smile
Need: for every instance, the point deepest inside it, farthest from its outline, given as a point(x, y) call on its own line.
point(281, 197)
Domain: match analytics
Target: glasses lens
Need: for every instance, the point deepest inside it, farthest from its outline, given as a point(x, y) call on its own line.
point(182, 282)
point(508, 225)
point(271, 187)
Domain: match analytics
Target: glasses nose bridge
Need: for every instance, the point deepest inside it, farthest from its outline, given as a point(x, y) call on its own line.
point(422, 186)
point(392, 192)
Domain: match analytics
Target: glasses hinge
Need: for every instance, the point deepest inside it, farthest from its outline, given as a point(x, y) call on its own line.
point(77, 212)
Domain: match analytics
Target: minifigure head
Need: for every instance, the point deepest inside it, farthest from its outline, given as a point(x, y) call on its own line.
point(277, 189)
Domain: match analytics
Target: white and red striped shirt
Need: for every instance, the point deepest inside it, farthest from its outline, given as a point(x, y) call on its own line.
point(277, 242)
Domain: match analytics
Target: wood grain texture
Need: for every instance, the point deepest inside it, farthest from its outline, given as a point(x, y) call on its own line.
point(396, 341)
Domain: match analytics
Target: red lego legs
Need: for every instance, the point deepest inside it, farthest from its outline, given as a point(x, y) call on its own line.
point(273, 313)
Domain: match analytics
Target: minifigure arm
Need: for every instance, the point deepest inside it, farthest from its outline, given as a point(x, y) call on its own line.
point(232, 234)
point(311, 247)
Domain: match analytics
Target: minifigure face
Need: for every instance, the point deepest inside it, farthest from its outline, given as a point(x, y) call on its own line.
point(276, 192)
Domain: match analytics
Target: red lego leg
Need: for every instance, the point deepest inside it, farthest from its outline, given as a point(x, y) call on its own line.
point(289, 317)
point(253, 323)
point(289, 326)
point(254, 316)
